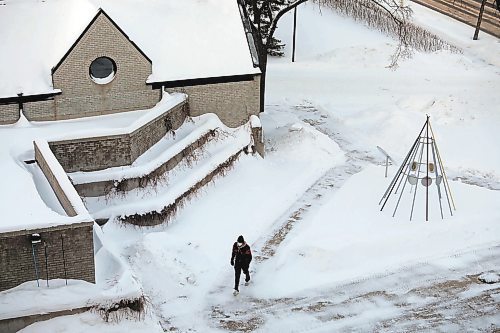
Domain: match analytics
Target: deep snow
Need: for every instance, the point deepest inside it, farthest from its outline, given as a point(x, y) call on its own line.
point(24, 180)
point(348, 264)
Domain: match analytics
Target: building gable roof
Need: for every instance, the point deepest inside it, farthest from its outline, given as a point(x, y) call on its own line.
point(183, 40)
point(99, 12)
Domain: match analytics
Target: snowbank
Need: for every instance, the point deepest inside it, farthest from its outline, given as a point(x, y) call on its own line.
point(17, 147)
point(93, 322)
point(65, 191)
point(114, 282)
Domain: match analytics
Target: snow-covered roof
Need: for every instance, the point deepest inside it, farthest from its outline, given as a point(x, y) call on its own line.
point(188, 39)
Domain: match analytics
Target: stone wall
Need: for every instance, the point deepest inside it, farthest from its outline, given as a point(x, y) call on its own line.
point(16, 258)
point(9, 113)
point(232, 102)
point(97, 153)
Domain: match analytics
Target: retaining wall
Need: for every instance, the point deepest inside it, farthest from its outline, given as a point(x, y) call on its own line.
point(146, 136)
point(55, 184)
point(93, 153)
point(12, 325)
point(102, 188)
point(75, 240)
point(102, 152)
point(155, 218)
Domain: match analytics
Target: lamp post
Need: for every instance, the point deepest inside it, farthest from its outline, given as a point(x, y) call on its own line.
point(294, 31)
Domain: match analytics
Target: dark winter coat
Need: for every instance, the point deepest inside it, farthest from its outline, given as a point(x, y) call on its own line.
point(241, 256)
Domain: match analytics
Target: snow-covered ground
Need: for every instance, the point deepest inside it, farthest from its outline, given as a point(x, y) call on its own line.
point(325, 258)
point(28, 182)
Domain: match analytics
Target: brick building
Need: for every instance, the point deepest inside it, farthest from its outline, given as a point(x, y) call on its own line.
point(99, 68)
point(82, 58)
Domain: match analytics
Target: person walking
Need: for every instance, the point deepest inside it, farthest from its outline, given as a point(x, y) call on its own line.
point(240, 258)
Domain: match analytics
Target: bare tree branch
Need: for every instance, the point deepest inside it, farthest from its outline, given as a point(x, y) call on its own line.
point(393, 19)
point(274, 22)
point(387, 16)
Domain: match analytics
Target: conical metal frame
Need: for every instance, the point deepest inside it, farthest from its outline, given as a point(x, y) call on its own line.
point(422, 164)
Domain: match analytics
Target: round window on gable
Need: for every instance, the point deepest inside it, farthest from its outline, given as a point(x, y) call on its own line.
point(102, 70)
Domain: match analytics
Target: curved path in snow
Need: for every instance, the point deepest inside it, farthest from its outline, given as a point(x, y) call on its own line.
point(321, 190)
point(420, 296)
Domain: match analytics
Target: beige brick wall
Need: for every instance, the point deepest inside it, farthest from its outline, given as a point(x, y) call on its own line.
point(93, 153)
point(9, 113)
point(146, 136)
point(38, 111)
point(16, 261)
point(232, 102)
point(97, 153)
point(81, 96)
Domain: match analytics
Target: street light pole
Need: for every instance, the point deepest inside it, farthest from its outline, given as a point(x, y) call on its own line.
point(294, 31)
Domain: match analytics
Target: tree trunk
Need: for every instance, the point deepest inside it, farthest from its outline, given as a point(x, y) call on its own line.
point(479, 19)
point(262, 48)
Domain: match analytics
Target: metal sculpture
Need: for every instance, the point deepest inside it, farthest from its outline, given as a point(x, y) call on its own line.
point(422, 166)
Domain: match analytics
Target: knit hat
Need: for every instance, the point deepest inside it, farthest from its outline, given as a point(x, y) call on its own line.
point(241, 239)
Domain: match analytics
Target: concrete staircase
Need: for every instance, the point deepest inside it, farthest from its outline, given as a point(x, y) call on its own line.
point(159, 182)
point(467, 11)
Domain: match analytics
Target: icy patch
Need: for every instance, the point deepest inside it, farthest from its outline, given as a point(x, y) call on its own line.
point(296, 127)
point(489, 277)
